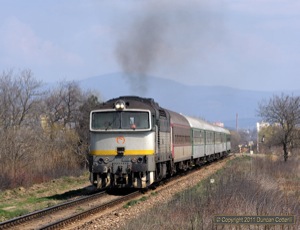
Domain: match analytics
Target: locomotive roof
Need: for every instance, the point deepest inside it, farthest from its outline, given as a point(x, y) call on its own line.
point(132, 102)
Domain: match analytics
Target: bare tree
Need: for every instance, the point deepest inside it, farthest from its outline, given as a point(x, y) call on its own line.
point(62, 104)
point(282, 112)
point(18, 95)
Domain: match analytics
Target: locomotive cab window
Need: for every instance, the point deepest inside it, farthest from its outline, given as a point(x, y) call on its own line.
point(134, 120)
point(106, 120)
point(118, 120)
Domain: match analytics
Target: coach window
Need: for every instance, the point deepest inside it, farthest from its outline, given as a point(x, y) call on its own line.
point(186, 139)
point(228, 138)
point(176, 139)
point(209, 137)
point(196, 137)
point(202, 137)
point(217, 138)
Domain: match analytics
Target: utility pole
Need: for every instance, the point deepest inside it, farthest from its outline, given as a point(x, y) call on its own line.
point(257, 127)
point(236, 121)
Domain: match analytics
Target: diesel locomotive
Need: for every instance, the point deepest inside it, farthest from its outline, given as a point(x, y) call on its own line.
point(134, 142)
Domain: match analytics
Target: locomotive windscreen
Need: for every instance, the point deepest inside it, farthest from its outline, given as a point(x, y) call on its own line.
point(116, 120)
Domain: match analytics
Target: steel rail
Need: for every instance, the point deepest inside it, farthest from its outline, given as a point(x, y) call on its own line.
point(79, 216)
point(46, 211)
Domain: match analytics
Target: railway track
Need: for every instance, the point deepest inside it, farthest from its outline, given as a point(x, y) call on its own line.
point(60, 215)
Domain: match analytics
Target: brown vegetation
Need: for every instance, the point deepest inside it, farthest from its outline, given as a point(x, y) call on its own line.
point(40, 136)
point(247, 186)
point(282, 113)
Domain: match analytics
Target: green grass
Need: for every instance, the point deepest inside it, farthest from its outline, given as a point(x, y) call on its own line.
point(10, 210)
point(5, 215)
point(79, 209)
point(154, 193)
point(134, 202)
point(35, 200)
point(143, 198)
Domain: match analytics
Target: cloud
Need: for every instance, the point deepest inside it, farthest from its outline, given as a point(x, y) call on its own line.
point(266, 7)
point(21, 42)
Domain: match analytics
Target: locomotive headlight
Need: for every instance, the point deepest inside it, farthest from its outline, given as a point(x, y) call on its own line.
point(104, 160)
point(120, 105)
point(133, 160)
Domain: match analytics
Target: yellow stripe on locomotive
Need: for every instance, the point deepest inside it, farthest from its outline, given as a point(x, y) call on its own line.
point(127, 152)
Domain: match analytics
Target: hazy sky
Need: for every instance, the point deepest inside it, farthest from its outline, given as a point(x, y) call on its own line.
point(246, 44)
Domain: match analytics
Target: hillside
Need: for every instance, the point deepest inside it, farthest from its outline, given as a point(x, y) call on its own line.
point(212, 103)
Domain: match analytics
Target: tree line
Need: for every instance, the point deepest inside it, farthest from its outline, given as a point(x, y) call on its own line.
point(43, 131)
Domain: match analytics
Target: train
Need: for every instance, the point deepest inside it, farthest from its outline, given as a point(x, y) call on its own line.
point(135, 143)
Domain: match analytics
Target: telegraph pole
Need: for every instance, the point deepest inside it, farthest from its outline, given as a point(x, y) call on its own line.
point(257, 128)
point(236, 121)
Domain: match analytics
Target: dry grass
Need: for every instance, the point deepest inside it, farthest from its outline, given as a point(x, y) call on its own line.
point(257, 185)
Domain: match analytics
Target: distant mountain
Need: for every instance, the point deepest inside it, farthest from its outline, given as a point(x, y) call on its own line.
point(231, 106)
